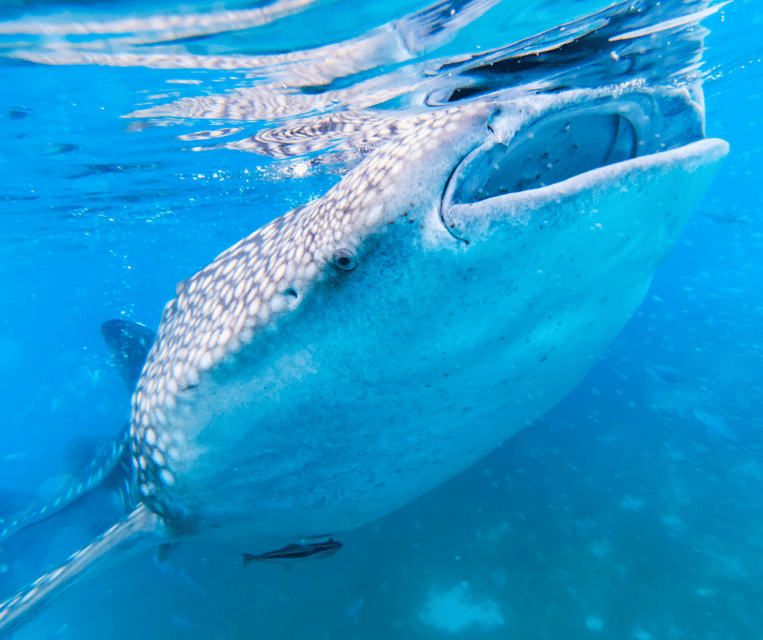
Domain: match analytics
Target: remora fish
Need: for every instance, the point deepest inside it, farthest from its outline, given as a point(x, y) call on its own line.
point(295, 552)
point(361, 349)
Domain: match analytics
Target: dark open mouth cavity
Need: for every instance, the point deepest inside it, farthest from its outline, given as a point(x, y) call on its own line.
point(573, 140)
point(563, 143)
point(547, 153)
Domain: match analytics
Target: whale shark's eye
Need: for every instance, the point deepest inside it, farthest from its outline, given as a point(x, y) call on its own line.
point(344, 260)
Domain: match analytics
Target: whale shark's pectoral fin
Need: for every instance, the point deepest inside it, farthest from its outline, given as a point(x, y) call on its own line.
point(140, 530)
point(110, 466)
point(128, 343)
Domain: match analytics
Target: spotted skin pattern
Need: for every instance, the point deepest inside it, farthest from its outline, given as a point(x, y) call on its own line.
point(243, 293)
point(249, 287)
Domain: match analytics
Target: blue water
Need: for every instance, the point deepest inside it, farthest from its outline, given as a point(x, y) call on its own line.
point(626, 512)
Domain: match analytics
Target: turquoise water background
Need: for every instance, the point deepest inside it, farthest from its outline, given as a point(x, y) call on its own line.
point(634, 509)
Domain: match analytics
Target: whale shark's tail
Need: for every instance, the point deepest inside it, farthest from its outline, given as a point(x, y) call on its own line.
point(105, 464)
point(140, 530)
point(109, 466)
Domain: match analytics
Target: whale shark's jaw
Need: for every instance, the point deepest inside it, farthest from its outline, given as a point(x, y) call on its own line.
point(363, 348)
point(581, 133)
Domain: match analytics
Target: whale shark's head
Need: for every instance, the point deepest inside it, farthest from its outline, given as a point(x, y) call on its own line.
point(357, 351)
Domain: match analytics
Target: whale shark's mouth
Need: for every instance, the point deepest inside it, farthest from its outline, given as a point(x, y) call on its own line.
point(545, 154)
point(568, 141)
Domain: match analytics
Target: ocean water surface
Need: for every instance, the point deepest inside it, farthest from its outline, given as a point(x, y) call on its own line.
point(140, 140)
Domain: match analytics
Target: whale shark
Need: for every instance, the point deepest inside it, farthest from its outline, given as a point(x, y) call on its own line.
point(361, 349)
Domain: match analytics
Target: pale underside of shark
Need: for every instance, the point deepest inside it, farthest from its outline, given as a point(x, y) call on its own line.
point(365, 347)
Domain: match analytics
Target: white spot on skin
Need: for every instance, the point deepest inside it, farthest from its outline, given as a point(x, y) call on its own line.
point(205, 362)
point(278, 304)
point(54, 574)
point(28, 595)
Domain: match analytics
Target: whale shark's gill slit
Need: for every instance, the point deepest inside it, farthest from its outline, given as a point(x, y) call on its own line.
point(445, 200)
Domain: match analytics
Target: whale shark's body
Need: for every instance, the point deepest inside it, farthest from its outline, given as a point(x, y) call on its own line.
point(361, 349)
